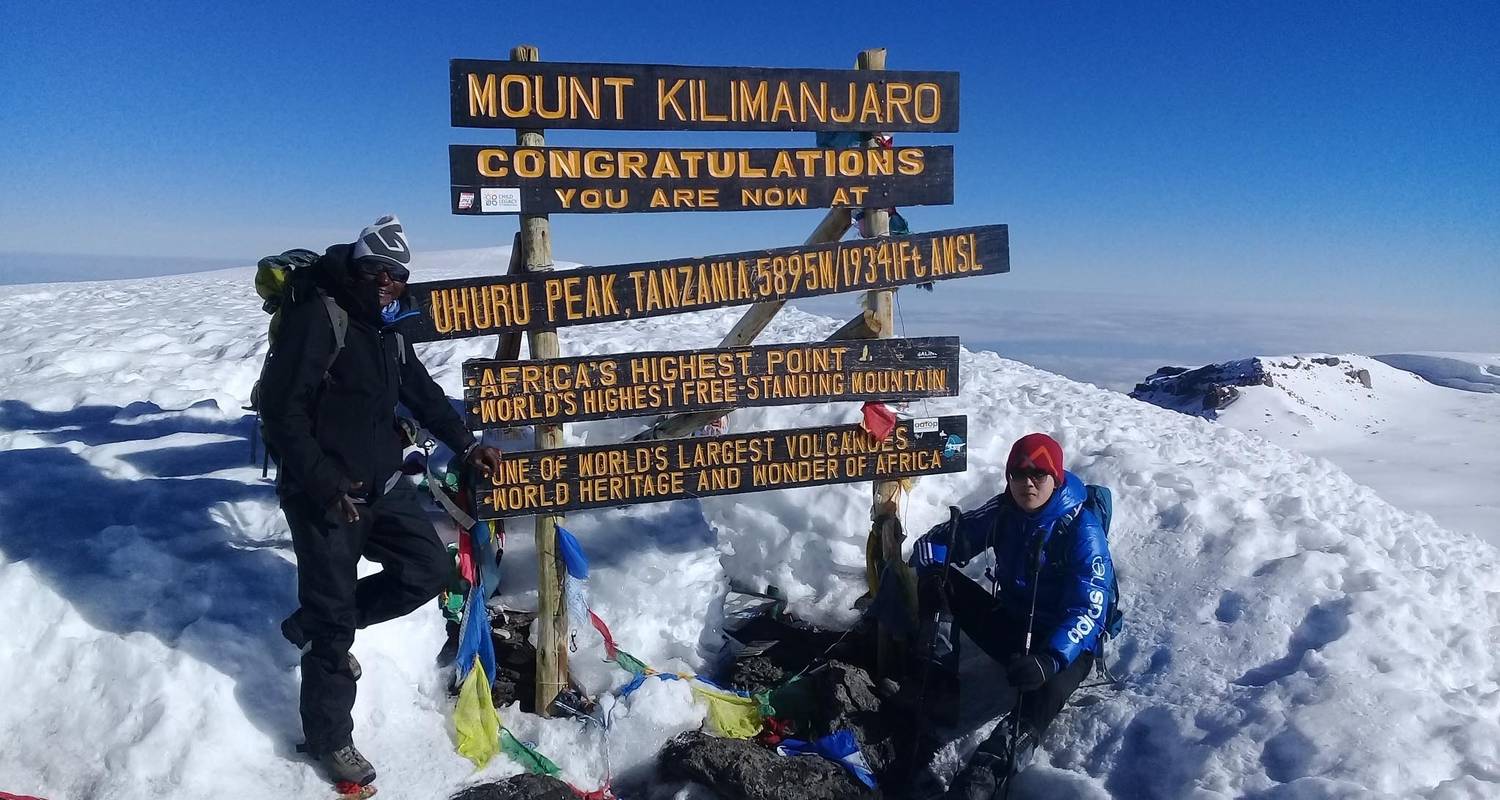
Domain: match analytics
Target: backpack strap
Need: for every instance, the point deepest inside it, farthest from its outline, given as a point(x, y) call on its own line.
point(339, 319)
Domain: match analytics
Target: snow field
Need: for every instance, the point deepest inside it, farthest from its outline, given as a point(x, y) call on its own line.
point(1425, 447)
point(1453, 370)
point(1288, 634)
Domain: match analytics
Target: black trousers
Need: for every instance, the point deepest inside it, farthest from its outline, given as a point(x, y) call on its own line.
point(1002, 637)
point(392, 531)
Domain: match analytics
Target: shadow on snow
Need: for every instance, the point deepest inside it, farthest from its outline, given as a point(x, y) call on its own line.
point(167, 555)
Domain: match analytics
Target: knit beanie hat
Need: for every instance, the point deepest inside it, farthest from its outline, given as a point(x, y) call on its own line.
point(1036, 451)
point(384, 241)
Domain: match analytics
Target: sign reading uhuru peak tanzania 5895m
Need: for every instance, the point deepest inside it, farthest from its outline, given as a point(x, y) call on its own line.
point(551, 95)
point(502, 393)
point(486, 306)
point(555, 180)
point(574, 478)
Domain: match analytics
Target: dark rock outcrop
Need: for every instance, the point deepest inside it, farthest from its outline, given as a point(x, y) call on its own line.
point(848, 701)
point(519, 787)
point(743, 770)
point(1204, 391)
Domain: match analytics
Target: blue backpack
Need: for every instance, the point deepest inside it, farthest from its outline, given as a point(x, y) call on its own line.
point(1101, 501)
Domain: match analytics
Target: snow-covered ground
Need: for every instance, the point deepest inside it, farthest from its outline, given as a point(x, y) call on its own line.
point(1472, 372)
point(1289, 633)
point(1419, 434)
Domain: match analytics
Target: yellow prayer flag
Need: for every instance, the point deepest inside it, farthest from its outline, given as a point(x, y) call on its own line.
point(731, 716)
point(475, 718)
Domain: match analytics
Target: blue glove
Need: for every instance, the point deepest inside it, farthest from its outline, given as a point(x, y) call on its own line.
point(929, 553)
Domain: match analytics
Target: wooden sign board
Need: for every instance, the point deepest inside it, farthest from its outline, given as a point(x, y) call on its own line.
point(577, 478)
point(488, 306)
point(605, 180)
point(554, 95)
point(498, 394)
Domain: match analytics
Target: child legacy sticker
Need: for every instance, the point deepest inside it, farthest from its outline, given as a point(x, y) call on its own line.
point(499, 200)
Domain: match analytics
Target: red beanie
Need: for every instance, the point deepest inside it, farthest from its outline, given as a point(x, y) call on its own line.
point(1036, 451)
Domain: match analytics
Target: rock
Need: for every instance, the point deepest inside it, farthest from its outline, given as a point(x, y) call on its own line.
point(848, 701)
point(777, 648)
point(1363, 376)
point(519, 787)
point(738, 769)
point(1328, 361)
point(515, 657)
point(1204, 391)
point(757, 674)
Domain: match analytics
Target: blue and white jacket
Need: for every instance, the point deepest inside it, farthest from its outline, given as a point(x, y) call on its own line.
point(1073, 577)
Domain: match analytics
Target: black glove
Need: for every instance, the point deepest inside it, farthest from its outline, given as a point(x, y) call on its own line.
point(1026, 673)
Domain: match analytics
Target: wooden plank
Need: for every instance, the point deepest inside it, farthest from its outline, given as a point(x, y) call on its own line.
point(488, 180)
point(488, 306)
point(500, 394)
point(605, 476)
point(557, 95)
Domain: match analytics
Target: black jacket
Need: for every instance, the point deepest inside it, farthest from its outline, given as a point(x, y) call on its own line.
point(344, 426)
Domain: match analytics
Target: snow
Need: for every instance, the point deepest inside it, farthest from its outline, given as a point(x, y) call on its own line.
point(1289, 633)
point(1473, 372)
point(1424, 447)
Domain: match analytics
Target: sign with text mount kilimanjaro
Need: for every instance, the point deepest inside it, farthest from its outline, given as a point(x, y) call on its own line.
point(557, 95)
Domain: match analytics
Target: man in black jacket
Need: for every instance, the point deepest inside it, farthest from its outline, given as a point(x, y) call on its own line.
point(329, 415)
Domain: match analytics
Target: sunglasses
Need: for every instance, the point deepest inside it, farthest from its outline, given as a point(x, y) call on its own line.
point(1035, 476)
point(369, 269)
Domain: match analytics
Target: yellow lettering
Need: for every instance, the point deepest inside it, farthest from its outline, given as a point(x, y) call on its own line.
point(482, 96)
point(666, 98)
point(934, 99)
point(619, 84)
point(491, 163)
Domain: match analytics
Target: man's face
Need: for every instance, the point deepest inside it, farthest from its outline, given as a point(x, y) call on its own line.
point(390, 288)
point(1030, 488)
point(388, 280)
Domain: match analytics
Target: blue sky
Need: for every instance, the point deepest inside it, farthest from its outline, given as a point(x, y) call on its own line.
point(1340, 153)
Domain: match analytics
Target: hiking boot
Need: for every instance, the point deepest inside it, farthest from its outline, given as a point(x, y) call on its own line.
point(998, 758)
point(291, 630)
point(982, 779)
point(346, 765)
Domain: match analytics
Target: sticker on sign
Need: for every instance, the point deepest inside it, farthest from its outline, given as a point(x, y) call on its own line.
point(927, 425)
point(499, 200)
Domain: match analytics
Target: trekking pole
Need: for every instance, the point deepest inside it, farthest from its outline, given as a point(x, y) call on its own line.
point(1015, 728)
point(931, 644)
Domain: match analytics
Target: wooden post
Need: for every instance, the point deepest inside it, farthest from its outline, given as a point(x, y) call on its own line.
point(833, 227)
point(551, 619)
point(884, 544)
point(509, 346)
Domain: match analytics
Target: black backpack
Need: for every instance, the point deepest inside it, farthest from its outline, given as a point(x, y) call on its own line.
point(283, 281)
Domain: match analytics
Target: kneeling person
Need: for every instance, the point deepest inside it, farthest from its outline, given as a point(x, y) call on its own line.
point(1052, 582)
